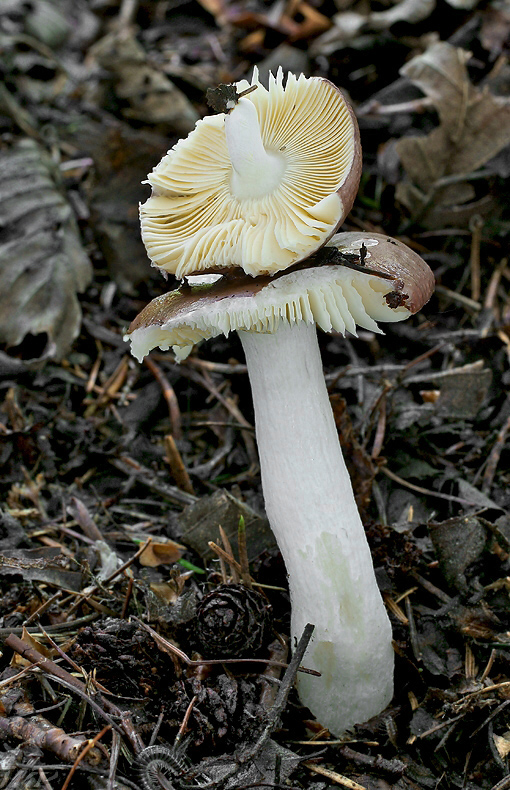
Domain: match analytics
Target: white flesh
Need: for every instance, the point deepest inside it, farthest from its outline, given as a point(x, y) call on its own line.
point(256, 172)
point(313, 514)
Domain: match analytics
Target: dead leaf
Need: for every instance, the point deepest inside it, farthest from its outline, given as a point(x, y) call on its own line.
point(29, 639)
point(462, 390)
point(43, 565)
point(502, 744)
point(474, 127)
point(458, 542)
point(42, 262)
point(149, 95)
point(159, 553)
point(410, 11)
point(199, 524)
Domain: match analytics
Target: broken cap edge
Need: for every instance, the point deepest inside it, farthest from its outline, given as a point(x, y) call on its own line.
point(334, 297)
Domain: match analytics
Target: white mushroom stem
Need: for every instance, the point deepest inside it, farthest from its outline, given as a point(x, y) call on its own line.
point(312, 511)
point(255, 171)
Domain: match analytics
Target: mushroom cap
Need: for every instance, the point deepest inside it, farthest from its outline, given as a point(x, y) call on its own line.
point(335, 297)
point(196, 219)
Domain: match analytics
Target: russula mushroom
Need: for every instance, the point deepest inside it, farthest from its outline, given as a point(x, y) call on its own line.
point(259, 187)
point(307, 491)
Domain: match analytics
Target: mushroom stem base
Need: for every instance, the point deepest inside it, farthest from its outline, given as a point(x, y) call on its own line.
point(312, 511)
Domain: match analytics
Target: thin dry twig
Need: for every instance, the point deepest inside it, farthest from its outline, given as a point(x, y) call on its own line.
point(179, 471)
point(334, 776)
point(494, 456)
point(169, 395)
point(421, 490)
point(90, 745)
point(167, 647)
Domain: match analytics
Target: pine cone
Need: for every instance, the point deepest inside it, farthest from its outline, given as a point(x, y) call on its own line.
point(233, 621)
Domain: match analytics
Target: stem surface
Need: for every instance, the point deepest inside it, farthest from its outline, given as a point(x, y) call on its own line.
point(255, 171)
point(313, 514)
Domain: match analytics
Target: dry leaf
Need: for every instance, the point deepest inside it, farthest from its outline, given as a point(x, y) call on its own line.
point(151, 97)
point(29, 639)
point(502, 744)
point(159, 553)
point(42, 262)
point(474, 127)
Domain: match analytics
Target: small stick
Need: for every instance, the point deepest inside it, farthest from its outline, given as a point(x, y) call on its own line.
point(225, 557)
point(381, 428)
point(114, 759)
point(167, 647)
point(494, 456)
point(184, 724)
point(179, 471)
point(127, 598)
point(475, 226)
point(50, 668)
point(243, 553)
point(235, 566)
point(334, 776)
point(169, 395)
point(413, 633)
point(90, 745)
point(42, 608)
point(421, 490)
point(392, 767)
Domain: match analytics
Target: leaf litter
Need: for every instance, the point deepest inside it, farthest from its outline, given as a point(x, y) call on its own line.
point(93, 446)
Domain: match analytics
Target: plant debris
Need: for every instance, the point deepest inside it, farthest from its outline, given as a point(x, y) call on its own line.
point(144, 608)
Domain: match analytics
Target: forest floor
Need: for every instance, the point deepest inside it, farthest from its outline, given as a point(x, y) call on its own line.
point(116, 476)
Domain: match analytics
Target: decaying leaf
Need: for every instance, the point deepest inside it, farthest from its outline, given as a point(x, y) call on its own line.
point(348, 25)
point(461, 392)
point(159, 553)
point(458, 543)
point(199, 523)
point(42, 262)
point(150, 96)
point(502, 744)
point(474, 127)
point(46, 564)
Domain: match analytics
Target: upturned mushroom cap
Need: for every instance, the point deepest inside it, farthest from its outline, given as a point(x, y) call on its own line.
point(335, 297)
point(259, 188)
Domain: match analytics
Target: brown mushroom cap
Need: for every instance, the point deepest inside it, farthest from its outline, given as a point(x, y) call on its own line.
point(197, 219)
point(333, 296)
point(413, 283)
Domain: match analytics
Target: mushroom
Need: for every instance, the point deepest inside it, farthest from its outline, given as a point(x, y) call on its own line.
point(307, 491)
point(259, 187)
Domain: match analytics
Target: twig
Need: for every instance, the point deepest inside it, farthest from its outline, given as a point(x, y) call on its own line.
point(179, 471)
point(494, 456)
point(378, 763)
point(169, 395)
point(275, 713)
point(334, 776)
point(147, 477)
point(167, 647)
point(235, 567)
point(243, 553)
point(42, 608)
point(475, 226)
point(413, 633)
point(90, 745)
point(61, 675)
point(426, 491)
point(114, 759)
point(88, 618)
point(431, 588)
